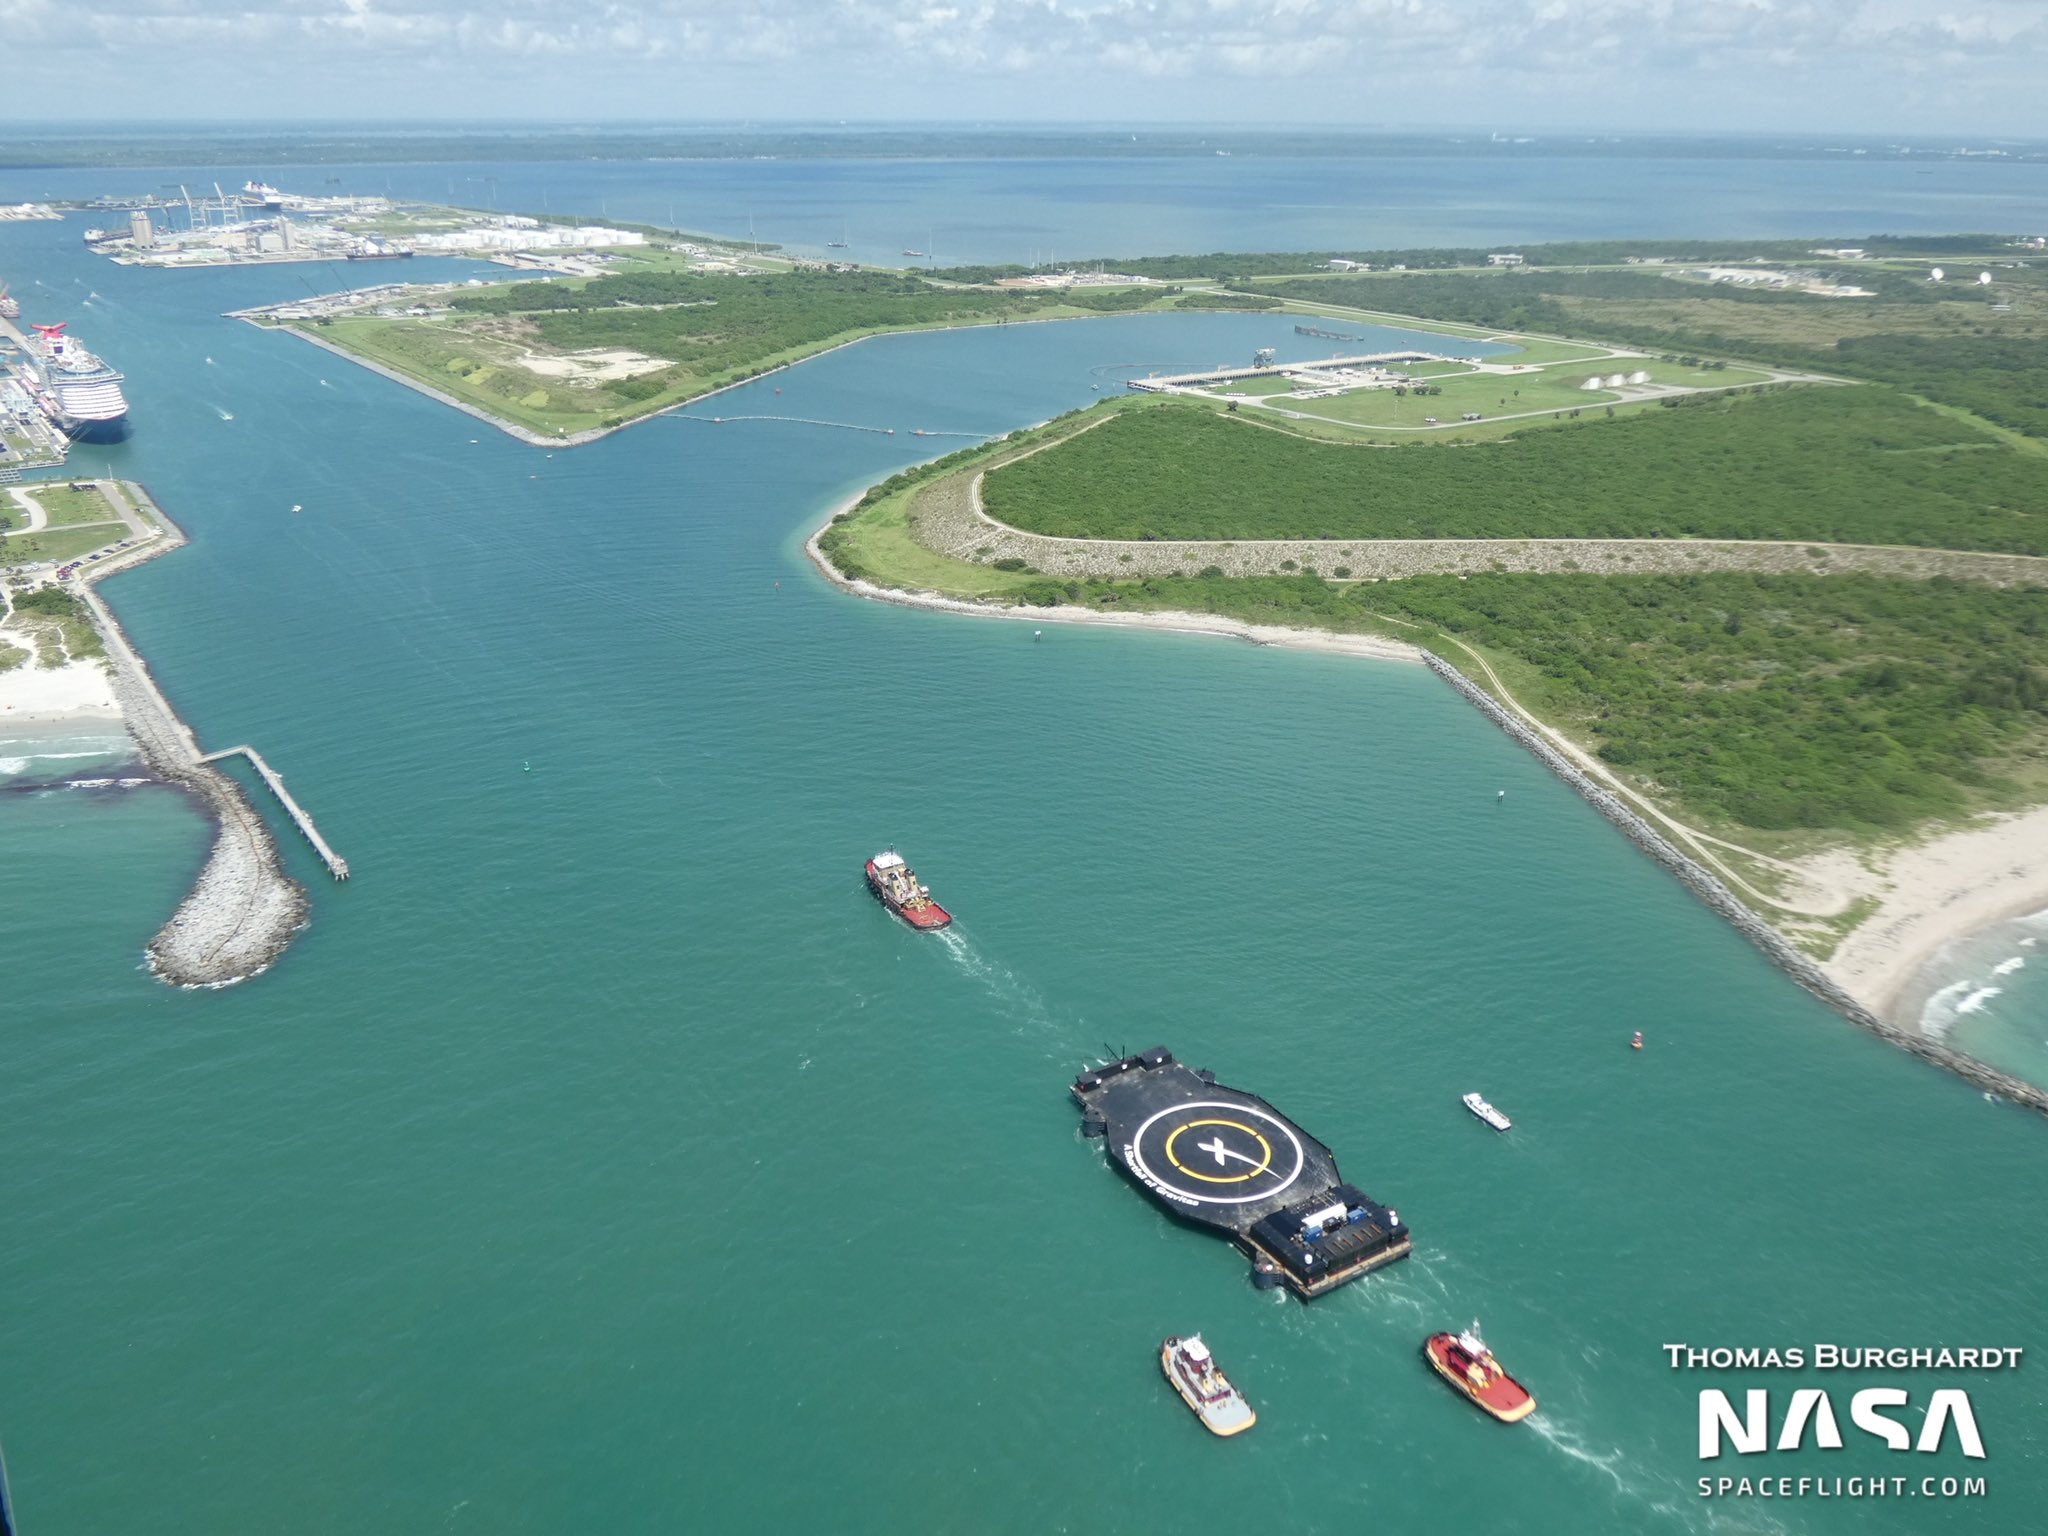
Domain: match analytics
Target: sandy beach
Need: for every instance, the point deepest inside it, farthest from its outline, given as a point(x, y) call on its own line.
point(65, 695)
point(1929, 896)
point(1376, 647)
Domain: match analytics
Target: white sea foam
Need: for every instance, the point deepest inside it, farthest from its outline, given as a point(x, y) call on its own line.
point(13, 765)
point(2007, 967)
point(1940, 1012)
point(1575, 1447)
point(112, 747)
point(1975, 1002)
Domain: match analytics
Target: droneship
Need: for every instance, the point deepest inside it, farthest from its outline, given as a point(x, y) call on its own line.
point(1218, 1158)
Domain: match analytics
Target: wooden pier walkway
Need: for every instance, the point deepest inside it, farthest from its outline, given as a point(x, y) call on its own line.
point(337, 866)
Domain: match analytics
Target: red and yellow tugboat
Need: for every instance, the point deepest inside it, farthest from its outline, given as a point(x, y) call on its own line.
point(1463, 1360)
point(895, 886)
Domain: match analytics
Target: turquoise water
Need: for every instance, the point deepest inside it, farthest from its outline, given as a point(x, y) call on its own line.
point(1074, 208)
point(603, 1158)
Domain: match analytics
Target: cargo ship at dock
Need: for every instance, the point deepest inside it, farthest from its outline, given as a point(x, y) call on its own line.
point(1219, 1158)
point(77, 391)
point(377, 250)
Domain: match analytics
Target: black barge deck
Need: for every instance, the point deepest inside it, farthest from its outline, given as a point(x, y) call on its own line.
point(1218, 1158)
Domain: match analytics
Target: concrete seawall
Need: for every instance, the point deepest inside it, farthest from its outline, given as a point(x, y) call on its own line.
point(1724, 903)
point(243, 909)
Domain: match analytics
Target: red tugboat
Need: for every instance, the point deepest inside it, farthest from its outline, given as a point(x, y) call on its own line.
point(1463, 1360)
point(895, 886)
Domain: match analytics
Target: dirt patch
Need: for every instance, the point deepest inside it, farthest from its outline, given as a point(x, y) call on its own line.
point(599, 365)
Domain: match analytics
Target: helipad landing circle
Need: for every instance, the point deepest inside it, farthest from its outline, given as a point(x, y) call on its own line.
point(1217, 1153)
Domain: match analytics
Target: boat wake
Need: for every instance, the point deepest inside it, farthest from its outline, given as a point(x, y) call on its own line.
point(1015, 997)
point(1572, 1445)
point(1671, 1502)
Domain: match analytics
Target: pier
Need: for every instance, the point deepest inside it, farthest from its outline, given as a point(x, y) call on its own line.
point(337, 866)
point(1267, 370)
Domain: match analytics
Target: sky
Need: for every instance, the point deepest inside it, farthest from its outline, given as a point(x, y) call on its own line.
point(1848, 66)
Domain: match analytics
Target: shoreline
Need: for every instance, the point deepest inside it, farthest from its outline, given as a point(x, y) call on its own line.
point(243, 909)
point(1931, 895)
point(1871, 1003)
point(592, 434)
point(1372, 647)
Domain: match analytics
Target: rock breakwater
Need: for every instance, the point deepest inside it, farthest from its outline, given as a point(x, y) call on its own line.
point(1719, 899)
point(243, 909)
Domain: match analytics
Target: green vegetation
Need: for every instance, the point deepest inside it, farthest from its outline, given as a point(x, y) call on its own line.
point(1555, 389)
point(1852, 465)
point(54, 544)
point(1229, 266)
point(1208, 298)
point(1976, 347)
point(502, 349)
point(47, 609)
point(1782, 706)
point(1809, 702)
point(69, 505)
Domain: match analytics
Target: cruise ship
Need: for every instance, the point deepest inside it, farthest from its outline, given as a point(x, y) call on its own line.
point(77, 391)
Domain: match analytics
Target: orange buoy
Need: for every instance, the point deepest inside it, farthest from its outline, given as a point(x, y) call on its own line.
point(1637, 1043)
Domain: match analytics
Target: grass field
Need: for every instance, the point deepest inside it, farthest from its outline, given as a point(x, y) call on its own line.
point(1978, 347)
point(1854, 465)
point(1557, 388)
point(66, 506)
point(58, 544)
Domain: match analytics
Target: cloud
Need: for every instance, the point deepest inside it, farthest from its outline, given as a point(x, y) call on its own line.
point(1341, 55)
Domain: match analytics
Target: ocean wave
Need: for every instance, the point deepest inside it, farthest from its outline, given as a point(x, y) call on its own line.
point(1952, 1002)
point(110, 749)
point(13, 765)
point(2007, 967)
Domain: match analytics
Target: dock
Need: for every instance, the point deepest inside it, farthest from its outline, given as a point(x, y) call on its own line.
point(1267, 370)
point(337, 866)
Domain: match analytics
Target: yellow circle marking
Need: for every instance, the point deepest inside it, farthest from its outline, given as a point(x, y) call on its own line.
point(1265, 1153)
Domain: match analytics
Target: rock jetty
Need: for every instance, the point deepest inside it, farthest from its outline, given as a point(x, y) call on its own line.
point(1724, 902)
point(243, 909)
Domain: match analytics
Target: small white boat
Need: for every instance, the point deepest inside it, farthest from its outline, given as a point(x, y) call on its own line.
point(1203, 1387)
point(1487, 1112)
